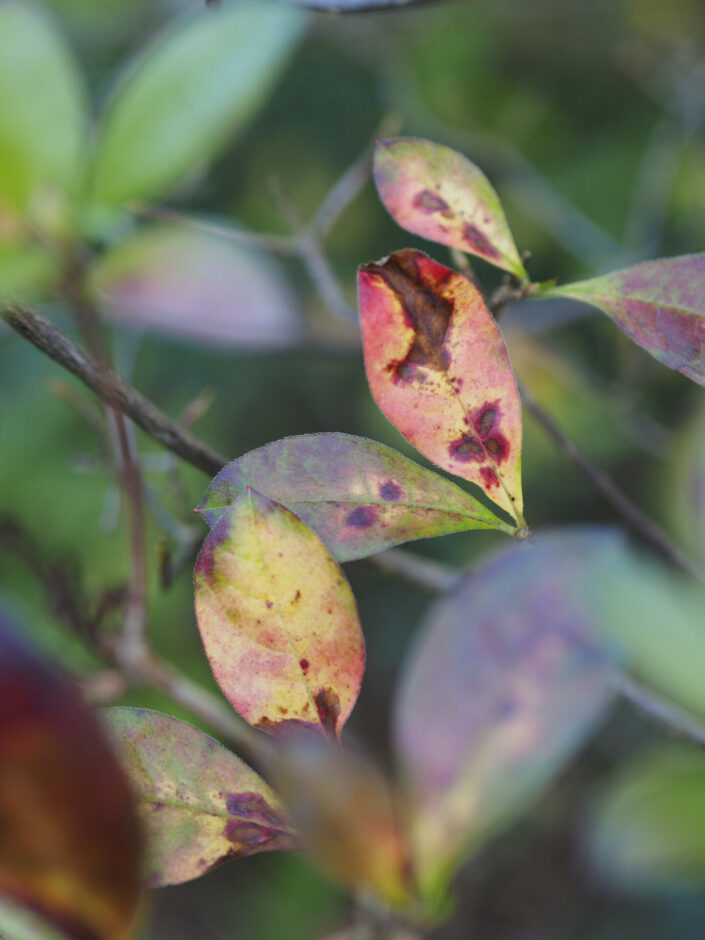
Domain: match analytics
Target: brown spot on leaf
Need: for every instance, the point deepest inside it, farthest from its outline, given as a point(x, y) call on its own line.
point(489, 477)
point(286, 728)
point(426, 311)
point(328, 708)
point(362, 517)
point(268, 605)
point(478, 242)
point(390, 491)
point(297, 597)
point(485, 421)
point(256, 826)
point(432, 202)
point(467, 448)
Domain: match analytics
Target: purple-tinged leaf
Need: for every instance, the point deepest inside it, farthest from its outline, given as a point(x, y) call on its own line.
point(278, 620)
point(659, 304)
point(437, 193)
point(507, 680)
point(200, 804)
point(194, 285)
point(359, 497)
point(69, 837)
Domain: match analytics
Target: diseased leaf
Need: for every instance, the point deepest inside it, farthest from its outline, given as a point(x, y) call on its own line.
point(660, 305)
point(200, 804)
point(42, 121)
point(278, 620)
point(196, 87)
point(647, 829)
point(348, 817)
point(508, 678)
point(359, 497)
point(438, 368)
point(70, 845)
point(437, 193)
point(197, 286)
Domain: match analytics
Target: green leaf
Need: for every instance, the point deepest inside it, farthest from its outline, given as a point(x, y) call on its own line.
point(26, 271)
point(70, 845)
point(42, 119)
point(647, 829)
point(198, 286)
point(359, 497)
point(278, 620)
point(507, 680)
point(437, 193)
point(188, 95)
point(200, 804)
point(660, 305)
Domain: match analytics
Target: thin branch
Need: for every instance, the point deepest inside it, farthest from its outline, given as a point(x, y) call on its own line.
point(361, 6)
point(423, 572)
point(660, 710)
point(55, 344)
point(341, 194)
point(610, 492)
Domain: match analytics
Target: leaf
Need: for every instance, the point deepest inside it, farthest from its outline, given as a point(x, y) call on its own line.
point(188, 95)
point(507, 680)
point(278, 620)
point(42, 122)
point(437, 193)
point(197, 286)
point(358, 496)
point(347, 815)
point(354, 6)
point(438, 368)
point(647, 829)
point(660, 305)
point(70, 844)
point(200, 804)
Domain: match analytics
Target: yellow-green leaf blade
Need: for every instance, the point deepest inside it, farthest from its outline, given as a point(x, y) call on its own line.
point(200, 804)
point(437, 193)
point(278, 620)
point(438, 368)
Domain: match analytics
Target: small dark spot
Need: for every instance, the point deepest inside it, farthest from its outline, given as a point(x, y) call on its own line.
point(431, 202)
point(479, 242)
point(390, 491)
point(466, 449)
point(304, 663)
point(282, 710)
point(362, 517)
point(485, 421)
point(489, 477)
point(494, 447)
point(157, 806)
point(268, 605)
point(297, 597)
point(328, 707)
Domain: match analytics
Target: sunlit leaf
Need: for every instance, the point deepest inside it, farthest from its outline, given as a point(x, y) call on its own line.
point(197, 286)
point(647, 829)
point(360, 497)
point(347, 816)
point(438, 368)
point(200, 804)
point(69, 849)
point(42, 124)
point(660, 305)
point(437, 193)
point(278, 620)
point(505, 683)
point(188, 95)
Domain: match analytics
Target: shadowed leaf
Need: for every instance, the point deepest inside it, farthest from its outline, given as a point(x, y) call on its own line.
point(660, 305)
point(69, 845)
point(506, 681)
point(359, 497)
point(437, 193)
point(200, 804)
point(346, 814)
point(278, 620)
point(647, 829)
point(439, 370)
point(197, 286)
point(198, 85)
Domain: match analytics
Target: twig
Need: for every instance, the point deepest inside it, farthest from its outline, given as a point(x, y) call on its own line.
point(423, 572)
point(607, 489)
point(363, 6)
point(341, 194)
point(55, 344)
point(660, 710)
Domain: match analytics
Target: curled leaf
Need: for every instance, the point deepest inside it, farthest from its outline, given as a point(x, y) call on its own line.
point(660, 305)
point(200, 804)
point(278, 620)
point(437, 193)
point(438, 368)
point(508, 678)
point(359, 497)
point(70, 845)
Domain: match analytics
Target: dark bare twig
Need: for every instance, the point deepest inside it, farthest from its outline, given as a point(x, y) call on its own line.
point(658, 709)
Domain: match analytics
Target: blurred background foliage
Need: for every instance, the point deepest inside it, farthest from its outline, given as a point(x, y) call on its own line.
point(588, 119)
